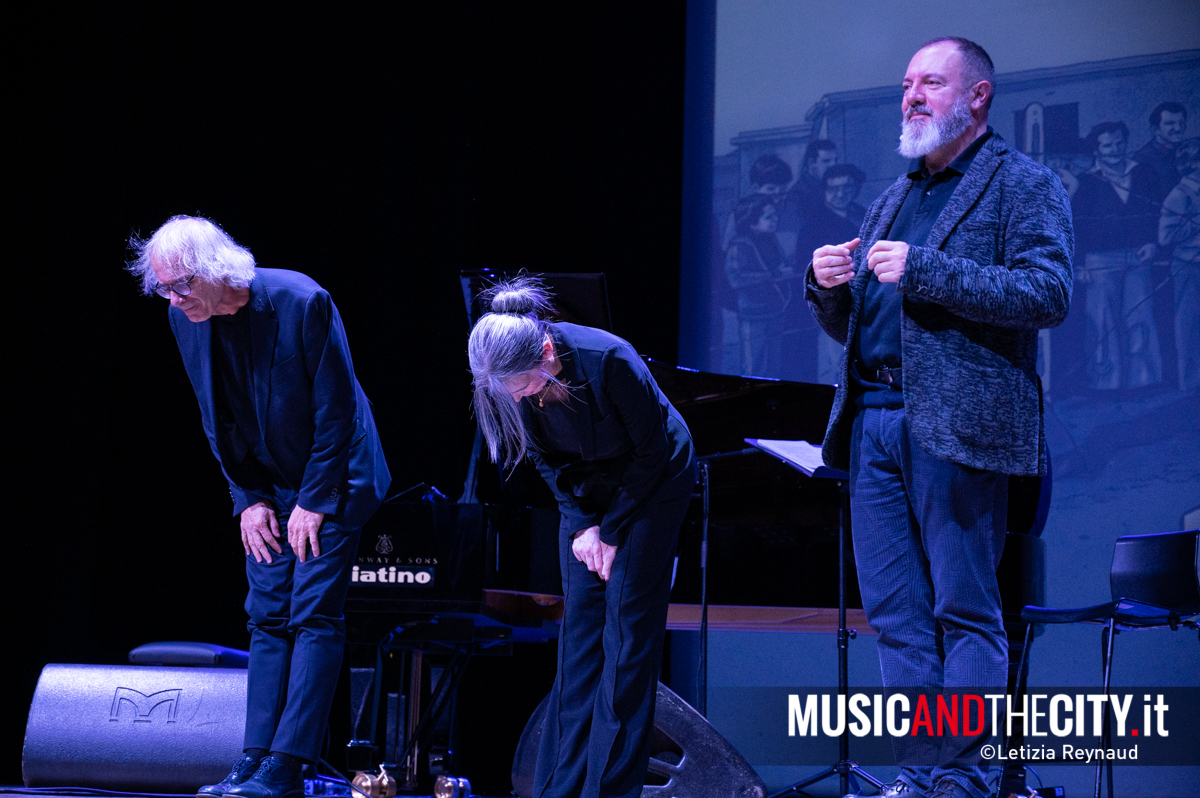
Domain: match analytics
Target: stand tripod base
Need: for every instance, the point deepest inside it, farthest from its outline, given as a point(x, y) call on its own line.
point(844, 770)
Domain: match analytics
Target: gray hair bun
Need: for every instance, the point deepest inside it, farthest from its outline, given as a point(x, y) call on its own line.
point(523, 296)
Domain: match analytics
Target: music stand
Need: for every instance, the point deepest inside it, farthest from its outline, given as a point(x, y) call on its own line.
point(806, 458)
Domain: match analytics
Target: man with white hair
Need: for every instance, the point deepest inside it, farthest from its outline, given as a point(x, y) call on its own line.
point(938, 303)
point(293, 431)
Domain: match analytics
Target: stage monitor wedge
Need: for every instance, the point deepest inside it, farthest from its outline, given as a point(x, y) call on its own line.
point(123, 727)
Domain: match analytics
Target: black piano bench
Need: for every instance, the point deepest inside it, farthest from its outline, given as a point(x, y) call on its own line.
point(194, 655)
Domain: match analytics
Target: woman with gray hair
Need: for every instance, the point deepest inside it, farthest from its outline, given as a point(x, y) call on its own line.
point(582, 405)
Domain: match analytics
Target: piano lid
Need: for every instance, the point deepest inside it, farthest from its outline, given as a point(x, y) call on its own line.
point(722, 411)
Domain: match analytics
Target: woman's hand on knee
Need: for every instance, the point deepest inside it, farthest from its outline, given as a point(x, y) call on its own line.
point(590, 550)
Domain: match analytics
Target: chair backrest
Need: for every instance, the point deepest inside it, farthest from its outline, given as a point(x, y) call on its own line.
point(1161, 569)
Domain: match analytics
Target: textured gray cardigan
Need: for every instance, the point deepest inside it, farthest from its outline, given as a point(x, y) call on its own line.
point(995, 269)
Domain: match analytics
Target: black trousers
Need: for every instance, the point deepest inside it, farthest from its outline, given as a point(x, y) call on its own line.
point(600, 719)
point(297, 633)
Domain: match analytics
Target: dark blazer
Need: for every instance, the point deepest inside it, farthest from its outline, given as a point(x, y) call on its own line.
point(634, 446)
point(315, 420)
point(995, 269)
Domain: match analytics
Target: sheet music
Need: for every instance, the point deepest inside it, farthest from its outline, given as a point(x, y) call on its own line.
point(799, 454)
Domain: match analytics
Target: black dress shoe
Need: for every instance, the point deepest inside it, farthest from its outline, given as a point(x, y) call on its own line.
point(244, 769)
point(273, 779)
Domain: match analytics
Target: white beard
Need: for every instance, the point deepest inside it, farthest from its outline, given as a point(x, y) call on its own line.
point(920, 139)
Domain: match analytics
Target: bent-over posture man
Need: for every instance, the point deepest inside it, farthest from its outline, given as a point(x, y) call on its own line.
point(938, 302)
point(293, 431)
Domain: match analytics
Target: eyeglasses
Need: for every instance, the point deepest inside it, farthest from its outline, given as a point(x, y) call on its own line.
point(183, 288)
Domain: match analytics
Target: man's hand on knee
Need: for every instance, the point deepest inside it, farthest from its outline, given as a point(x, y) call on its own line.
point(304, 529)
point(260, 532)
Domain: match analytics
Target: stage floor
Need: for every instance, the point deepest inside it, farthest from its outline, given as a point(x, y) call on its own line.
point(19, 791)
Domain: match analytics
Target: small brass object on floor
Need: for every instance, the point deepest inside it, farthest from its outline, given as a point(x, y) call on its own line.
point(376, 785)
point(451, 787)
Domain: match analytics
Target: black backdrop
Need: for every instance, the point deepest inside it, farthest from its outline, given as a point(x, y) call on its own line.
point(378, 148)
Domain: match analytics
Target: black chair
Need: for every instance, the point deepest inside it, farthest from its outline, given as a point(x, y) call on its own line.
point(1155, 583)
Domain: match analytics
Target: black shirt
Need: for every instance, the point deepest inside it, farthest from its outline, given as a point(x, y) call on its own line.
point(877, 340)
point(555, 433)
point(234, 400)
point(233, 384)
point(555, 425)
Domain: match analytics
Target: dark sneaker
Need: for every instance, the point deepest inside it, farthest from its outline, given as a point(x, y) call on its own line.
point(948, 788)
point(273, 779)
point(244, 769)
